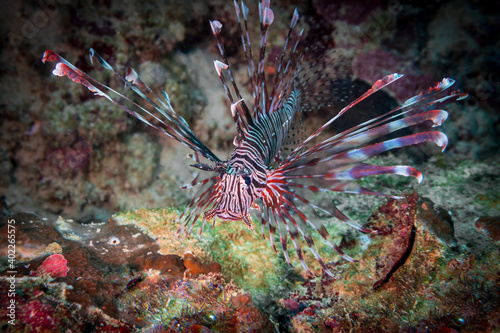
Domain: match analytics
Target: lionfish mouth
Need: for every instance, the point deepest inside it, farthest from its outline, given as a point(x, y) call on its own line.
point(226, 215)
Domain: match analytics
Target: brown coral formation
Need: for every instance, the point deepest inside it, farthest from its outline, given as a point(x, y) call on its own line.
point(402, 237)
point(490, 226)
point(438, 220)
point(194, 267)
point(108, 278)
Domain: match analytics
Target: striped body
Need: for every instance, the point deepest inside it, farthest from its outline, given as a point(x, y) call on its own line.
point(239, 186)
point(246, 176)
point(259, 174)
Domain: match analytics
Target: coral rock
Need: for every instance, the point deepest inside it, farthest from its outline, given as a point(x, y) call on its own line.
point(291, 304)
point(437, 220)
point(402, 213)
point(195, 267)
point(54, 266)
point(170, 264)
point(490, 226)
point(39, 316)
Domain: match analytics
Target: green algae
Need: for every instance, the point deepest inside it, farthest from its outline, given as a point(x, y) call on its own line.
point(245, 257)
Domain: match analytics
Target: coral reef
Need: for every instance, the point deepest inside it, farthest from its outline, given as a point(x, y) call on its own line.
point(110, 278)
point(134, 273)
point(434, 288)
point(58, 151)
point(60, 147)
point(240, 254)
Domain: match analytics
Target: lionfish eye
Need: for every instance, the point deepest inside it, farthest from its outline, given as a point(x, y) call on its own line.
point(247, 180)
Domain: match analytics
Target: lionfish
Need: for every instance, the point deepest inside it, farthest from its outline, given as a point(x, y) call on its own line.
point(260, 173)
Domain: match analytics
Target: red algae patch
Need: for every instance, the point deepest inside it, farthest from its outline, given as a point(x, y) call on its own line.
point(54, 266)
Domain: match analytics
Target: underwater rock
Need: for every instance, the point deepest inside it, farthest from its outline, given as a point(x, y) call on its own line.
point(170, 264)
point(490, 226)
point(206, 302)
point(436, 287)
point(401, 235)
point(116, 277)
point(33, 238)
point(438, 220)
point(84, 258)
point(194, 267)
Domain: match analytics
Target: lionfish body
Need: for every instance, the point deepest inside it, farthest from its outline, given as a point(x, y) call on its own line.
point(258, 173)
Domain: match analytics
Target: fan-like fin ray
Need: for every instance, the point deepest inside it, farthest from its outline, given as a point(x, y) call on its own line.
point(172, 126)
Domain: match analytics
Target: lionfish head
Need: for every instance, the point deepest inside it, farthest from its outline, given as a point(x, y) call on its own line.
point(236, 191)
